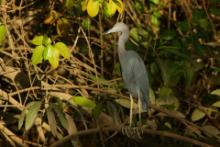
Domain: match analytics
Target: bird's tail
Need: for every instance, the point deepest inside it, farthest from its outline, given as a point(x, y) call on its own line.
point(143, 99)
point(145, 103)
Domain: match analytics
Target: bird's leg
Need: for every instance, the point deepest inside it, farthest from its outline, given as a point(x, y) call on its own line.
point(131, 109)
point(139, 106)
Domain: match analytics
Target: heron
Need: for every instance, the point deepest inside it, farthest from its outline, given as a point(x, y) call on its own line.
point(134, 73)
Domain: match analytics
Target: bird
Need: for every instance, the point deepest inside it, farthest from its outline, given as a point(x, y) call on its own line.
point(134, 73)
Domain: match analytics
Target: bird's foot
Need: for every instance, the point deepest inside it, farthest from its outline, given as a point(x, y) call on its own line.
point(132, 132)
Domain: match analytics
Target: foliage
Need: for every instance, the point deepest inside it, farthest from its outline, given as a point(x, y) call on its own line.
point(178, 40)
point(29, 114)
point(110, 7)
point(2, 34)
point(45, 51)
point(82, 101)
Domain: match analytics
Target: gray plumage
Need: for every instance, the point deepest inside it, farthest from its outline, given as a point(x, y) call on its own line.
point(133, 69)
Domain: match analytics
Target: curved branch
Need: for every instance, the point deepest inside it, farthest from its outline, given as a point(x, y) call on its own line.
point(119, 128)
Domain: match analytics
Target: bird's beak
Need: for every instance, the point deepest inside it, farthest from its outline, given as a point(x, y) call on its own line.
point(109, 31)
point(112, 30)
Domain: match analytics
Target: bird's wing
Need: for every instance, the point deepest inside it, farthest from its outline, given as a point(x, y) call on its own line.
point(134, 74)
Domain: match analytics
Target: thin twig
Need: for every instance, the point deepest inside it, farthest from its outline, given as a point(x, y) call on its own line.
point(4, 130)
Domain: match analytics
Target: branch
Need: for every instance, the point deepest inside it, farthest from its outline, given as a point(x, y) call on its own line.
point(119, 129)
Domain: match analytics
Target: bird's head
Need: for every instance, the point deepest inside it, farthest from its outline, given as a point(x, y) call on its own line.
point(118, 27)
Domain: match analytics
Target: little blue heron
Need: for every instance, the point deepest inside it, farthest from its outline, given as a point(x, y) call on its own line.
point(133, 70)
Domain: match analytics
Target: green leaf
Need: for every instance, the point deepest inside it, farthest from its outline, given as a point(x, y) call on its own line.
point(134, 34)
point(154, 20)
point(52, 121)
point(216, 104)
point(179, 114)
point(69, 4)
point(84, 102)
point(171, 103)
point(139, 7)
point(60, 115)
point(167, 99)
point(54, 57)
point(156, 2)
point(110, 8)
point(211, 131)
point(168, 125)
point(86, 23)
point(72, 129)
point(84, 5)
point(37, 40)
point(47, 53)
point(216, 92)
point(204, 23)
point(21, 119)
point(2, 34)
point(197, 115)
point(37, 55)
point(32, 110)
point(93, 7)
point(119, 6)
point(63, 49)
point(46, 40)
point(165, 92)
point(41, 40)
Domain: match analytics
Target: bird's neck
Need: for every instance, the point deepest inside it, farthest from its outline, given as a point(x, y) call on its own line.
point(121, 41)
